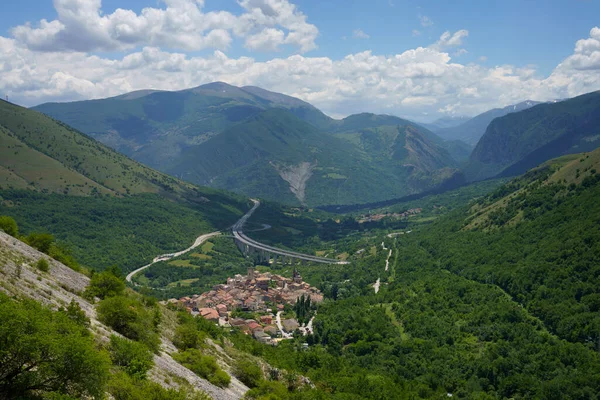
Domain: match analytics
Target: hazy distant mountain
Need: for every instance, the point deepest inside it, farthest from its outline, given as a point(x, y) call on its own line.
point(266, 144)
point(444, 122)
point(518, 141)
point(473, 129)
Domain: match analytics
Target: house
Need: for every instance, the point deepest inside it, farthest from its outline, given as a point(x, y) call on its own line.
point(271, 330)
point(290, 325)
point(263, 283)
point(254, 326)
point(222, 310)
point(266, 319)
point(210, 314)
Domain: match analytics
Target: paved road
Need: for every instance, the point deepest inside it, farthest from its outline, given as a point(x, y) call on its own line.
point(201, 239)
point(280, 326)
point(239, 235)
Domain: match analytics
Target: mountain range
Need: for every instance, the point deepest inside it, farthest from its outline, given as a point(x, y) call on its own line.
point(519, 141)
point(266, 144)
point(471, 130)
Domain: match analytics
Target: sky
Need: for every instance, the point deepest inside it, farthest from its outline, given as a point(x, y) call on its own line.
point(418, 59)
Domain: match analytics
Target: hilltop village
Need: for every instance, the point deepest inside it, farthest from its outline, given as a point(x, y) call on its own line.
point(262, 294)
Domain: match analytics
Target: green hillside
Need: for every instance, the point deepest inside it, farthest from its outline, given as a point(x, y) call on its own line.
point(472, 130)
point(220, 135)
point(519, 141)
point(277, 156)
point(156, 126)
point(501, 310)
point(106, 207)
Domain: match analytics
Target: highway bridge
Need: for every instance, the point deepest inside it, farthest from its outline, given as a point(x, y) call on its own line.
point(268, 253)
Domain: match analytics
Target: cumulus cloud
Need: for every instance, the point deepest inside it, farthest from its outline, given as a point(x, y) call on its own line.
point(409, 84)
point(182, 25)
point(359, 34)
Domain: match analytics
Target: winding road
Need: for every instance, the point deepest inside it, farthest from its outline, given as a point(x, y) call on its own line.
point(201, 239)
point(240, 236)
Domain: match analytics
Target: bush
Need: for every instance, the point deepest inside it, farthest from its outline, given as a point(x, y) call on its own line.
point(40, 241)
point(123, 387)
point(133, 357)
point(186, 337)
point(203, 366)
point(44, 352)
point(129, 317)
point(9, 226)
point(248, 372)
point(104, 285)
point(42, 265)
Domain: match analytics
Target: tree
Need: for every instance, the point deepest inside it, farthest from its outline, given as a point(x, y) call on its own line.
point(9, 226)
point(133, 357)
point(248, 372)
point(44, 352)
point(105, 284)
point(41, 241)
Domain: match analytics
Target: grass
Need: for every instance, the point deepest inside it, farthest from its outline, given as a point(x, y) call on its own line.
point(181, 263)
point(183, 282)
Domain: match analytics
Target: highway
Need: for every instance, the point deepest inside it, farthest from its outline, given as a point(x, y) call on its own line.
point(201, 239)
point(240, 236)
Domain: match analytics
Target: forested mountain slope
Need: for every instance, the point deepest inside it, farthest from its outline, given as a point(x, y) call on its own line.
point(106, 207)
point(223, 136)
point(507, 308)
point(519, 141)
point(472, 130)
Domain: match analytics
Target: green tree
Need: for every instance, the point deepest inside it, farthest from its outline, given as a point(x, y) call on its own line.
point(105, 284)
point(42, 265)
point(43, 352)
point(41, 241)
point(248, 372)
point(9, 226)
point(133, 357)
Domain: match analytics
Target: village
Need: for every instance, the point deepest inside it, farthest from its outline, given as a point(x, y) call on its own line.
point(380, 216)
point(265, 296)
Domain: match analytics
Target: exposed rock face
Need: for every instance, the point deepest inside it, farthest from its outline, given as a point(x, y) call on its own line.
point(297, 176)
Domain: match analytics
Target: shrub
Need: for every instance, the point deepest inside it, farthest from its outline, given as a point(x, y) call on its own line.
point(9, 226)
point(203, 366)
point(42, 265)
point(105, 285)
point(248, 372)
point(129, 317)
point(40, 241)
point(133, 357)
point(44, 352)
point(186, 337)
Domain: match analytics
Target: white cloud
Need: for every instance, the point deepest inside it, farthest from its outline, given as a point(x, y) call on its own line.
point(483, 58)
point(416, 32)
point(81, 26)
point(448, 39)
point(425, 21)
point(409, 84)
point(359, 34)
point(460, 52)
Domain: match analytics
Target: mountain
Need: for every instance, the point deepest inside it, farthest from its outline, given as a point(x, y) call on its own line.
point(265, 144)
point(472, 130)
point(519, 141)
point(106, 207)
point(278, 156)
point(154, 127)
point(444, 122)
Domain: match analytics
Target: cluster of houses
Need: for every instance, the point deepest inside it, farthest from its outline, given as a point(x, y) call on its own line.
point(259, 293)
point(378, 217)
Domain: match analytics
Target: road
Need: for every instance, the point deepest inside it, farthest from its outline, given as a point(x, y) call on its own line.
point(377, 284)
point(280, 327)
point(240, 236)
point(201, 239)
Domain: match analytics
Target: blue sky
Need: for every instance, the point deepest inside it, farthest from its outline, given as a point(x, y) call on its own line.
point(506, 42)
